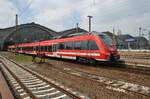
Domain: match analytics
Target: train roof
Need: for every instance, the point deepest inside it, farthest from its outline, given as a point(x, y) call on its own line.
point(62, 39)
point(72, 35)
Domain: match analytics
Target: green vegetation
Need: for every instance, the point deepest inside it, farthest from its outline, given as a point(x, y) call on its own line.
point(24, 58)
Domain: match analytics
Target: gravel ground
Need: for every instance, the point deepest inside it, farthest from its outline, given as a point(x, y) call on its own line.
point(140, 55)
point(106, 72)
point(136, 57)
point(92, 88)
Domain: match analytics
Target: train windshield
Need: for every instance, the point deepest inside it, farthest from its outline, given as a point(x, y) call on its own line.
point(107, 40)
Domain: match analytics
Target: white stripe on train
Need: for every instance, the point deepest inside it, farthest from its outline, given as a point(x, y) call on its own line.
point(78, 53)
point(55, 54)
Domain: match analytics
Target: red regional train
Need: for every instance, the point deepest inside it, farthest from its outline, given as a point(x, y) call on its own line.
point(91, 46)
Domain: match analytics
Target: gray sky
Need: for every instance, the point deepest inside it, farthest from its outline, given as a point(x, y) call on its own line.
point(124, 15)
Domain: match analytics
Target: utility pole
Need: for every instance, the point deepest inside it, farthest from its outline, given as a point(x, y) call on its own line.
point(16, 22)
point(114, 39)
point(77, 27)
point(149, 39)
point(90, 22)
point(140, 31)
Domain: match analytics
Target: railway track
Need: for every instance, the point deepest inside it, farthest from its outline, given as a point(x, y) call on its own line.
point(28, 84)
point(121, 66)
point(112, 84)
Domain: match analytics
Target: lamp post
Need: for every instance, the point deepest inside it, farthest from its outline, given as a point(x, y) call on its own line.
point(16, 21)
point(90, 22)
point(139, 43)
point(149, 39)
point(77, 27)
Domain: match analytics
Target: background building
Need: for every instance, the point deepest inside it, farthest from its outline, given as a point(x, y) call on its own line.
point(25, 33)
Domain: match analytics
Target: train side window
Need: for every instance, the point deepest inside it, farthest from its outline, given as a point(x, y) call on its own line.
point(69, 45)
point(61, 46)
point(31, 48)
point(39, 48)
point(36, 48)
point(42, 48)
point(92, 45)
point(45, 48)
point(55, 47)
point(77, 45)
point(84, 45)
point(50, 48)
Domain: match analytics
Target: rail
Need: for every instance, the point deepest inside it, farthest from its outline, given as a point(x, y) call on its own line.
point(70, 94)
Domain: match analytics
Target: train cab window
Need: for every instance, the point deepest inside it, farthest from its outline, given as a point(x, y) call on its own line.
point(106, 39)
point(92, 45)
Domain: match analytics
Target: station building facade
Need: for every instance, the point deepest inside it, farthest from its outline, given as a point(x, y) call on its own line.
point(25, 33)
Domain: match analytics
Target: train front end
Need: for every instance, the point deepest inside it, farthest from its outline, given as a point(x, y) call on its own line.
point(108, 48)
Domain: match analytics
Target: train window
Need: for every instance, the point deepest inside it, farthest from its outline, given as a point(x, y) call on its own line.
point(43, 48)
point(61, 46)
point(81, 45)
point(50, 48)
point(31, 48)
point(36, 48)
point(77, 45)
point(92, 45)
point(84, 45)
point(55, 47)
point(47, 48)
point(107, 40)
point(18, 48)
point(69, 45)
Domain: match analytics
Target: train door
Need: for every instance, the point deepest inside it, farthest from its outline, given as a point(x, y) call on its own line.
point(55, 49)
point(88, 49)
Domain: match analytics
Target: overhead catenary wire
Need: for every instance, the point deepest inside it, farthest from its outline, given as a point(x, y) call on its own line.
point(26, 8)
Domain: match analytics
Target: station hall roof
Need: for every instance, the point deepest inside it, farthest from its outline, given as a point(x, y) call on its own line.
point(25, 31)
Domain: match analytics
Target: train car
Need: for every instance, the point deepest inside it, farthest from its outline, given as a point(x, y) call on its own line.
point(91, 47)
point(11, 48)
